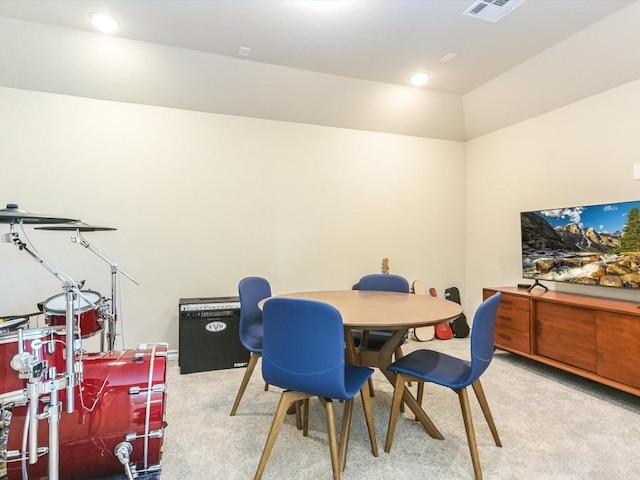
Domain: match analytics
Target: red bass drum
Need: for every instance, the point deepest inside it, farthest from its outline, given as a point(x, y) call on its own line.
point(121, 400)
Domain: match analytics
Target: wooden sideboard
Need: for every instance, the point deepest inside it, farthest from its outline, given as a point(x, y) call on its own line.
point(594, 337)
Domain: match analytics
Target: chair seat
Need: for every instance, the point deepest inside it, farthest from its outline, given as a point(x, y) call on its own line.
point(377, 338)
point(434, 367)
point(251, 338)
point(354, 378)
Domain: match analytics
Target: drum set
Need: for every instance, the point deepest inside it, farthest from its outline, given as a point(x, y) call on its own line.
point(104, 411)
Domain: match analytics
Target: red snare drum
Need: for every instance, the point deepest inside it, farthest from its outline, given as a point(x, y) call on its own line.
point(90, 321)
point(43, 343)
point(121, 399)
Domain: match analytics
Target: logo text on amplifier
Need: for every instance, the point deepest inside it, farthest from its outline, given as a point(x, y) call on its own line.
point(215, 326)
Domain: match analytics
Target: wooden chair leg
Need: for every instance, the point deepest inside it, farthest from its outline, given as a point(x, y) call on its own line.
point(298, 416)
point(286, 400)
point(420, 394)
point(346, 426)
point(482, 400)
point(372, 393)
point(305, 422)
point(471, 436)
point(344, 432)
point(333, 440)
point(398, 354)
point(253, 360)
point(368, 416)
point(398, 390)
point(266, 386)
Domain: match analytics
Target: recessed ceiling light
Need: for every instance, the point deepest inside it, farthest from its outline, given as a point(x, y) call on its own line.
point(104, 22)
point(419, 79)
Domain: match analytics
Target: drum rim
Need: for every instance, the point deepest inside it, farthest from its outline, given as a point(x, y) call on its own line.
point(31, 333)
point(12, 326)
point(82, 309)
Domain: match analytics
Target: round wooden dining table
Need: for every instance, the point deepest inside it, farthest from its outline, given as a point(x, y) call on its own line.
point(377, 310)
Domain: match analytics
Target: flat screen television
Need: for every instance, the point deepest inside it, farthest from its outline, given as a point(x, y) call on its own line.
point(588, 245)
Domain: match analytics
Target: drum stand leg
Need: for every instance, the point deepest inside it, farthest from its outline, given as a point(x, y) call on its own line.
point(71, 338)
point(27, 364)
point(54, 437)
point(33, 396)
point(111, 331)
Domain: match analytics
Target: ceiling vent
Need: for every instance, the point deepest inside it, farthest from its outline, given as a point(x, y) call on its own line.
point(492, 10)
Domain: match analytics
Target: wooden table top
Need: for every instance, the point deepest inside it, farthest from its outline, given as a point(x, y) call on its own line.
point(375, 310)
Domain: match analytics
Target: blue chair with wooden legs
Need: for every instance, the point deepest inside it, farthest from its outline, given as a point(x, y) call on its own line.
point(304, 355)
point(454, 373)
point(373, 340)
point(251, 291)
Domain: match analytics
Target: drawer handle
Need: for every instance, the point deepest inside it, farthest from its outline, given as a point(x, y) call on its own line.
point(504, 317)
point(505, 336)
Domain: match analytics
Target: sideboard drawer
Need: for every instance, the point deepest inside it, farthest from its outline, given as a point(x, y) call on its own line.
point(512, 329)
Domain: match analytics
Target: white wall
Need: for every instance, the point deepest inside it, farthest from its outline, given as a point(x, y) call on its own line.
point(201, 200)
point(582, 154)
point(61, 60)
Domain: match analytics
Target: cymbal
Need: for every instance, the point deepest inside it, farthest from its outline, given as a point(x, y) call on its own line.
point(13, 214)
point(77, 226)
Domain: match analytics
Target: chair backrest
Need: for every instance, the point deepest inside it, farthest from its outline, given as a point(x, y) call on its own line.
point(482, 344)
point(384, 282)
point(251, 290)
point(304, 347)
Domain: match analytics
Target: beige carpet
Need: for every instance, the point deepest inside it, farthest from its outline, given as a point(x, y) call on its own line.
point(552, 425)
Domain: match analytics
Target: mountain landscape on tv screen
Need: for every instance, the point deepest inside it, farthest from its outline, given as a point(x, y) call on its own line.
point(594, 245)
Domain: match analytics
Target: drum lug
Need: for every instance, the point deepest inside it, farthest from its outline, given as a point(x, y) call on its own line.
point(139, 357)
point(152, 434)
point(160, 387)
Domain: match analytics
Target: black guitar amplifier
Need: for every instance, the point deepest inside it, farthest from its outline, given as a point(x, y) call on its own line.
point(209, 334)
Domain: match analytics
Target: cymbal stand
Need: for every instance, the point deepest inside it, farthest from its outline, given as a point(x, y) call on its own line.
point(33, 371)
point(113, 317)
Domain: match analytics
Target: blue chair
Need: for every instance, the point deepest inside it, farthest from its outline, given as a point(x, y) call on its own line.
point(454, 373)
point(304, 355)
point(373, 340)
point(251, 290)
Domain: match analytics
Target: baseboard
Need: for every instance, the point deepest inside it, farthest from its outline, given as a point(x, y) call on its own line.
point(172, 354)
